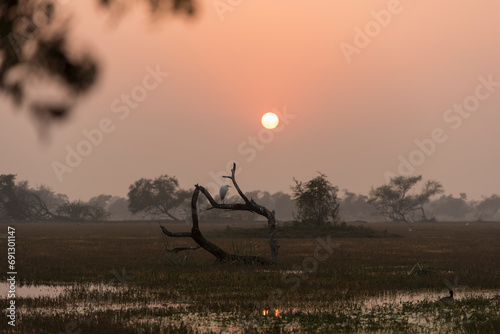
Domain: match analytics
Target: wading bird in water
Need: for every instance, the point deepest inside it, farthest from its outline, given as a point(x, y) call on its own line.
point(447, 300)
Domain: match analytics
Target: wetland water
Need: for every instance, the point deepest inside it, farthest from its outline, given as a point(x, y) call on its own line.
point(391, 298)
point(416, 309)
point(52, 291)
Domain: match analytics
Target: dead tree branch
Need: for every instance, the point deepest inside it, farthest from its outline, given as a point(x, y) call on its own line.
point(178, 249)
point(249, 205)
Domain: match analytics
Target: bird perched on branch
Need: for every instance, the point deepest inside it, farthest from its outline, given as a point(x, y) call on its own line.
point(223, 191)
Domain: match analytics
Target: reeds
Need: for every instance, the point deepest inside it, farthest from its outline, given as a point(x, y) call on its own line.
point(153, 294)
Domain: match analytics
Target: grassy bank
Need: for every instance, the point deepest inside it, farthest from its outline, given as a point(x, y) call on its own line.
point(313, 288)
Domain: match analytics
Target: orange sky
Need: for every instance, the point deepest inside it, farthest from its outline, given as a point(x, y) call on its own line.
point(352, 117)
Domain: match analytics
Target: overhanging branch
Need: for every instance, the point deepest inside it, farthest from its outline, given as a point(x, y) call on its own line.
point(178, 249)
point(176, 235)
point(249, 205)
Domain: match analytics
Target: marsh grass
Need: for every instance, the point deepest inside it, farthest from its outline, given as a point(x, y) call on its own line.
point(245, 249)
point(202, 295)
point(176, 259)
point(297, 229)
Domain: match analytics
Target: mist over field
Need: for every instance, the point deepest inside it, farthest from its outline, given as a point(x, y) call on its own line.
point(232, 166)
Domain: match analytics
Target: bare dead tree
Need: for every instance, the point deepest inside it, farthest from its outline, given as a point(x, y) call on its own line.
point(248, 205)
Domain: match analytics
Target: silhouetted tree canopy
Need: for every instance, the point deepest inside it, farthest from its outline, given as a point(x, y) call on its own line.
point(397, 201)
point(356, 207)
point(35, 52)
point(316, 200)
point(78, 210)
point(490, 205)
point(156, 197)
point(486, 208)
point(101, 200)
point(19, 202)
point(449, 206)
point(118, 208)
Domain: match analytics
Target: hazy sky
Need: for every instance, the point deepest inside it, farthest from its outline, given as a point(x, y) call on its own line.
point(357, 84)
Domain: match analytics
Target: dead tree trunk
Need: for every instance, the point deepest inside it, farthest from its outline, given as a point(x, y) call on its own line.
point(248, 205)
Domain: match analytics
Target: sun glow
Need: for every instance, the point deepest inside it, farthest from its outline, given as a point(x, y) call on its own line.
point(270, 120)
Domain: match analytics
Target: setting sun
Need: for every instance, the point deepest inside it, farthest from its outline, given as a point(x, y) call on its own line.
point(270, 120)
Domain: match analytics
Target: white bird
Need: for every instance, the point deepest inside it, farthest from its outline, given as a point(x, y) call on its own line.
point(223, 191)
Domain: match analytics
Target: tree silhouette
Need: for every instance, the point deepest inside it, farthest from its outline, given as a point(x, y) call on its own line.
point(395, 200)
point(35, 54)
point(316, 200)
point(82, 211)
point(156, 197)
point(249, 205)
point(19, 202)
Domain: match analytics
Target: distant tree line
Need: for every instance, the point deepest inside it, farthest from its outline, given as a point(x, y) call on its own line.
point(314, 202)
point(20, 201)
point(421, 206)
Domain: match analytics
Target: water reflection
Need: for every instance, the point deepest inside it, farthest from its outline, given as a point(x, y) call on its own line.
point(33, 291)
point(398, 298)
point(408, 310)
point(54, 291)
